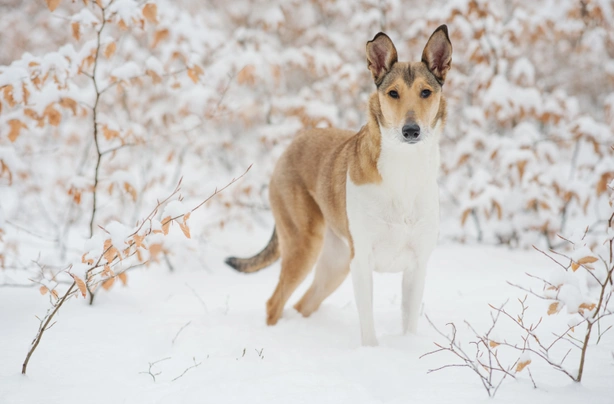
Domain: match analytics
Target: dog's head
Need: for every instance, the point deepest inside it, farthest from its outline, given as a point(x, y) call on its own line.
point(409, 104)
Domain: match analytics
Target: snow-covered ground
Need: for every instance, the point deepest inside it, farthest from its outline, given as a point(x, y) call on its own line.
point(207, 314)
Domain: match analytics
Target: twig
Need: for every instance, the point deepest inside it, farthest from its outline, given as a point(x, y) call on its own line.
point(198, 297)
point(151, 365)
point(181, 329)
point(195, 365)
point(43, 327)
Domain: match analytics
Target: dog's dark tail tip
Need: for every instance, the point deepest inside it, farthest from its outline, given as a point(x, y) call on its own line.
point(233, 262)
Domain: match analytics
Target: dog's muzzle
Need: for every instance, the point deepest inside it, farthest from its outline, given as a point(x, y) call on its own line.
point(411, 133)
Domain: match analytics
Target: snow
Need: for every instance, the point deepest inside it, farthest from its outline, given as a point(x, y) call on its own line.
point(118, 233)
point(127, 71)
point(216, 317)
point(174, 209)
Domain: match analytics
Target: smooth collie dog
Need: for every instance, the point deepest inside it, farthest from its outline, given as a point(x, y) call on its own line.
point(357, 202)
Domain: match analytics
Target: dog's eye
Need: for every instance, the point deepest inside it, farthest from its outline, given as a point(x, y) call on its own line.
point(393, 94)
point(425, 93)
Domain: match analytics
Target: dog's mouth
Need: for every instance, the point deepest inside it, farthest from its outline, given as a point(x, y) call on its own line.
point(411, 141)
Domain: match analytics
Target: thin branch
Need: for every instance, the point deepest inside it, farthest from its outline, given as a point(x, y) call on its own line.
point(195, 365)
point(151, 365)
point(43, 327)
point(181, 329)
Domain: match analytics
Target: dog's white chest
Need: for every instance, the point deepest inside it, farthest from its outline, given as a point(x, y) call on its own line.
point(396, 222)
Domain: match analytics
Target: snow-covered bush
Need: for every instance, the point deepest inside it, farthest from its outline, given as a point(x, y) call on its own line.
point(191, 88)
point(579, 289)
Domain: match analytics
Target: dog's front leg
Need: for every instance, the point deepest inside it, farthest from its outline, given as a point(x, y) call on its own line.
point(413, 290)
point(362, 278)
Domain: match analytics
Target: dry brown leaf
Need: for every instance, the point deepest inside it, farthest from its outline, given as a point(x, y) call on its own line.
point(154, 251)
point(493, 344)
point(602, 184)
point(75, 30)
point(246, 75)
point(43, 289)
point(521, 166)
point(574, 266)
point(522, 365)
point(53, 4)
point(195, 72)
point(154, 76)
point(80, 284)
point(69, 103)
point(130, 189)
point(8, 95)
point(587, 260)
point(26, 93)
point(110, 252)
point(464, 216)
point(185, 229)
point(123, 277)
point(463, 159)
point(5, 169)
point(498, 209)
point(53, 115)
point(150, 12)
point(553, 308)
point(106, 285)
point(88, 261)
point(107, 271)
point(54, 293)
point(15, 128)
point(122, 25)
point(109, 134)
point(138, 241)
point(109, 50)
point(166, 224)
point(586, 306)
point(159, 36)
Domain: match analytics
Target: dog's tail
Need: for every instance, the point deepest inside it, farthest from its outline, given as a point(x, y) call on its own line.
point(263, 259)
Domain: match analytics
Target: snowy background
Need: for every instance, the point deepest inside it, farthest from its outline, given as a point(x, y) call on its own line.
point(105, 106)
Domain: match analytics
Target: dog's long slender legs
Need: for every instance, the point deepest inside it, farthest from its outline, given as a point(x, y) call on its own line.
point(332, 268)
point(297, 260)
point(362, 278)
point(413, 291)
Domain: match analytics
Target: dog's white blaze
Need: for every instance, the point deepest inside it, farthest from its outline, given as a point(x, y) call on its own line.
point(394, 225)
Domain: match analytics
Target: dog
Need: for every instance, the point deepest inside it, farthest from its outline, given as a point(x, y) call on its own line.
point(357, 202)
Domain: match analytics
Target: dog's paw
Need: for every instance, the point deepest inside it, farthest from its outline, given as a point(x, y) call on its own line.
point(369, 341)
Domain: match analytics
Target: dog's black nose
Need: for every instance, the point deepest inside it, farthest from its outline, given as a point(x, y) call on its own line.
point(411, 132)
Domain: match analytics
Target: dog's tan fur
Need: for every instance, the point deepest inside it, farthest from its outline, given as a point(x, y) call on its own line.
point(308, 186)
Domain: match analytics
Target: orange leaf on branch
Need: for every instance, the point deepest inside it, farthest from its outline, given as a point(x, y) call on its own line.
point(15, 127)
point(553, 308)
point(75, 30)
point(166, 225)
point(522, 365)
point(110, 251)
point(52, 4)
point(106, 285)
point(150, 12)
point(109, 50)
point(80, 284)
point(123, 277)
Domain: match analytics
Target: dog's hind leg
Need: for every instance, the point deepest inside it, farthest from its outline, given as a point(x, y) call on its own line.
point(300, 225)
point(332, 268)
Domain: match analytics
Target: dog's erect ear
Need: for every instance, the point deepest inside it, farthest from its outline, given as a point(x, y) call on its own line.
point(437, 53)
point(381, 55)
